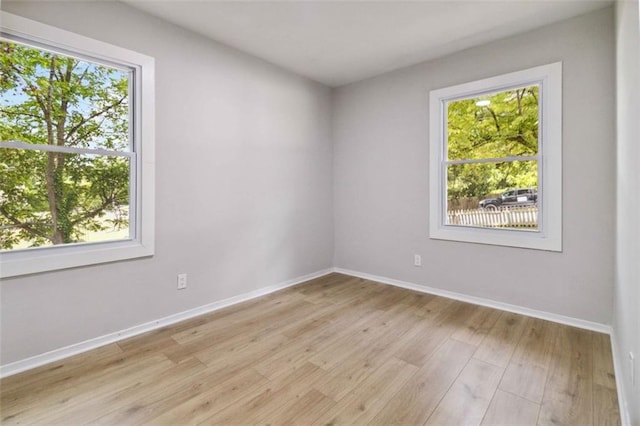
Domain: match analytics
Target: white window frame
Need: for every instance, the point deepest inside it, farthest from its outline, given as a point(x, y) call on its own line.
point(42, 259)
point(548, 236)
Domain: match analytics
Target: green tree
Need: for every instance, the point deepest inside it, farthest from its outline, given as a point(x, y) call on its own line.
point(494, 126)
point(52, 100)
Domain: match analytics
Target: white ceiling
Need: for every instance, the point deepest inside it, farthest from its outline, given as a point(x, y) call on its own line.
point(338, 42)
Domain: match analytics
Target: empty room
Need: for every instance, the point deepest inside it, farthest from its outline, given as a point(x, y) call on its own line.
point(320, 212)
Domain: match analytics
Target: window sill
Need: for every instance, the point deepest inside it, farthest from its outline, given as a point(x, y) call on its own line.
point(36, 260)
point(500, 237)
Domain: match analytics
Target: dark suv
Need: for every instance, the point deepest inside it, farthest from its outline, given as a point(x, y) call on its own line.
point(511, 198)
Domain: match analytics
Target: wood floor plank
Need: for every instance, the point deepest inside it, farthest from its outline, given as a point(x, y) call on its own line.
point(302, 411)
point(244, 354)
point(436, 307)
point(507, 409)
point(310, 348)
point(466, 402)
point(213, 399)
point(417, 399)
point(366, 357)
point(568, 397)
point(344, 377)
point(343, 291)
point(286, 393)
point(319, 284)
point(477, 326)
point(282, 364)
point(132, 396)
point(64, 379)
point(390, 299)
point(38, 409)
point(499, 345)
point(366, 401)
point(257, 405)
point(231, 338)
point(369, 332)
point(336, 349)
point(603, 372)
point(319, 317)
point(371, 340)
point(526, 374)
point(58, 371)
point(155, 403)
point(277, 306)
point(154, 337)
point(417, 351)
point(416, 303)
point(232, 328)
point(606, 411)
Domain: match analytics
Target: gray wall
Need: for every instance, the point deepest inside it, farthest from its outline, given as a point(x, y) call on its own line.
point(626, 319)
point(243, 178)
point(380, 137)
point(249, 187)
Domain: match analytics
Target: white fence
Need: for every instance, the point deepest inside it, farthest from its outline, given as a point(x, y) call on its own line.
point(514, 217)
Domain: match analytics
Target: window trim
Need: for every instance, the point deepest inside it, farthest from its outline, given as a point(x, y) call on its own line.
point(43, 259)
point(549, 234)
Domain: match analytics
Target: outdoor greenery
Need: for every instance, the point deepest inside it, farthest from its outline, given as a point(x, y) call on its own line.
point(494, 126)
point(52, 100)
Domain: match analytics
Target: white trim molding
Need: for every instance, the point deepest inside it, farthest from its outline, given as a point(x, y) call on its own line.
point(561, 319)
point(549, 157)
point(141, 242)
point(87, 345)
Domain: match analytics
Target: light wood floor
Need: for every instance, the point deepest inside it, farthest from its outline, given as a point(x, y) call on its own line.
point(337, 350)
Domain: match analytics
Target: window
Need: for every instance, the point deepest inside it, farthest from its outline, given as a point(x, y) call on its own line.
point(495, 160)
point(76, 150)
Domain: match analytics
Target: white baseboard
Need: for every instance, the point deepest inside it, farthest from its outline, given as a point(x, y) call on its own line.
point(617, 368)
point(574, 322)
point(87, 345)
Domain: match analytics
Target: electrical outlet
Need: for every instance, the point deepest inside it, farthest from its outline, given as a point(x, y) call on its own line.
point(632, 368)
point(417, 260)
point(182, 281)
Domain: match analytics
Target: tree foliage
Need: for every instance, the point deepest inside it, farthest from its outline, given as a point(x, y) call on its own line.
point(494, 126)
point(56, 100)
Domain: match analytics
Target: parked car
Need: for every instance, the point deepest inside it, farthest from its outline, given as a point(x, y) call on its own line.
point(513, 197)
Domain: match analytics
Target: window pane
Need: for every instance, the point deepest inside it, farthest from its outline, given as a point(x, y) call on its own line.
point(497, 125)
point(49, 198)
point(50, 98)
point(493, 195)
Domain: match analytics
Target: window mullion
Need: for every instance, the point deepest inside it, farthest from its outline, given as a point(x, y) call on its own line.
point(64, 149)
point(494, 160)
